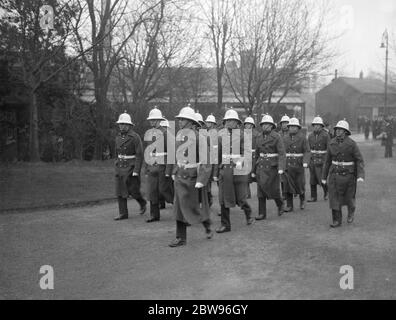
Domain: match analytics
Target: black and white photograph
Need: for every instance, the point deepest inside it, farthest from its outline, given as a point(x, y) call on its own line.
point(197, 155)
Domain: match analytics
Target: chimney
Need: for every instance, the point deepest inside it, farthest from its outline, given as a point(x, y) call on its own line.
point(361, 75)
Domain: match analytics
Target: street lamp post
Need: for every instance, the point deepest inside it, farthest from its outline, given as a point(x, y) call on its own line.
point(384, 44)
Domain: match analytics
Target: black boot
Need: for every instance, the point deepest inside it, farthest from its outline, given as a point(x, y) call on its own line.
point(154, 212)
point(248, 213)
point(208, 230)
point(302, 201)
point(262, 209)
point(351, 215)
point(325, 192)
point(281, 206)
point(181, 235)
point(143, 206)
point(314, 194)
point(122, 208)
point(289, 200)
point(225, 220)
point(337, 218)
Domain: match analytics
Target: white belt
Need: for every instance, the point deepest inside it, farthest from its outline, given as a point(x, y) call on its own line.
point(268, 155)
point(124, 157)
point(319, 151)
point(295, 155)
point(342, 163)
point(188, 165)
point(232, 156)
point(158, 154)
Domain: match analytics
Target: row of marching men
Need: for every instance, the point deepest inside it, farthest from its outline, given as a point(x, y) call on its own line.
point(279, 160)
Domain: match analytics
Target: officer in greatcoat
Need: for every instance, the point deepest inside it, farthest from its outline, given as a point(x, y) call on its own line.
point(268, 166)
point(343, 167)
point(233, 181)
point(129, 158)
point(191, 178)
point(283, 128)
point(158, 173)
point(297, 159)
point(318, 141)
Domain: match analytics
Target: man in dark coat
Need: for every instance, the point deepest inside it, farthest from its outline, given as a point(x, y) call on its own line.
point(129, 153)
point(249, 124)
point(297, 159)
point(191, 204)
point(158, 173)
point(388, 137)
point(318, 141)
point(233, 181)
point(367, 124)
point(343, 167)
point(210, 124)
point(269, 164)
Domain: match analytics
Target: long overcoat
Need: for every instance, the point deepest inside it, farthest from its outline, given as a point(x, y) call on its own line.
point(159, 181)
point(191, 204)
point(233, 188)
point(297, 153)
point(341, 176)
point(318, 143)
point(269, 159)
point(128, 144)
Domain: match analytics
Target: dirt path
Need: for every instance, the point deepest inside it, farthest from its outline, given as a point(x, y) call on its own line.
point(296, 256)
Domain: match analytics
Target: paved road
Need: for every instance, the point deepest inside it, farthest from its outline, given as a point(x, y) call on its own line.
point(296, 256)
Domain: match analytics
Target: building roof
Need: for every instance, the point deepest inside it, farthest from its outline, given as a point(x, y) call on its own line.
point(371, 86)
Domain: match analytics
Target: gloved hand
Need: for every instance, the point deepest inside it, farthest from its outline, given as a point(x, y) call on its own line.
point(215, 179)
point(305, 165)
point(360, 180)
point(324, 181)
point(253, 175)
point(173, 177)
point(238, 165)
point(135, 174)
point(280, 171)
point(199, 185)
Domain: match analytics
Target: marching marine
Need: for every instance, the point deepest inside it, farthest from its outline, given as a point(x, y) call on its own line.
point(343, 167)
point(318, 141)
point(191, 203)
point(249, 124)
point(297, 159)
point(232, 184)
point(129, 153)
point(159, 182)
point(269, 164)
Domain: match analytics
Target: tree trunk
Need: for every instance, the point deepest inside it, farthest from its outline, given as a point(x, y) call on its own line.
point(100, 109)
point(34, 151)
point(219, 92)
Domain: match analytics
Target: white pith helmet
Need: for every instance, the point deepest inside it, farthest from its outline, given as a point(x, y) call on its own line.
point(294, 122)
point(249, 120)
point(343, 124)
point(231, 114)
point(285, 118)
point(155, 114)
point(125, 118)
point(211, 119)
point(187, 113)
point(267, 119)
point(199, 118)
point(318, 120)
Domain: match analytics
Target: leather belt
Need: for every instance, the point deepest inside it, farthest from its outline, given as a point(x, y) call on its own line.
point(269, 155)
point(319, 151)
point(125, 157)
point(294, 155)
point(232, 156)
point(340, 163)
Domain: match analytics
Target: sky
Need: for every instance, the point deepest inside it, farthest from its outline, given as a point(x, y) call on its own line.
point(363, 23)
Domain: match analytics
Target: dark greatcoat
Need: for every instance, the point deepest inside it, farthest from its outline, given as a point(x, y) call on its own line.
point(191, 204)
point(266, 169)
point(159, 181)
point(295, 174)
point(317, 142)
point(233, 189)
point(129, 144)
point(342, 179)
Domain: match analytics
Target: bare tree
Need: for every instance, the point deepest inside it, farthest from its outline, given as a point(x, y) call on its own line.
point(103, 26)
point(276, 45)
